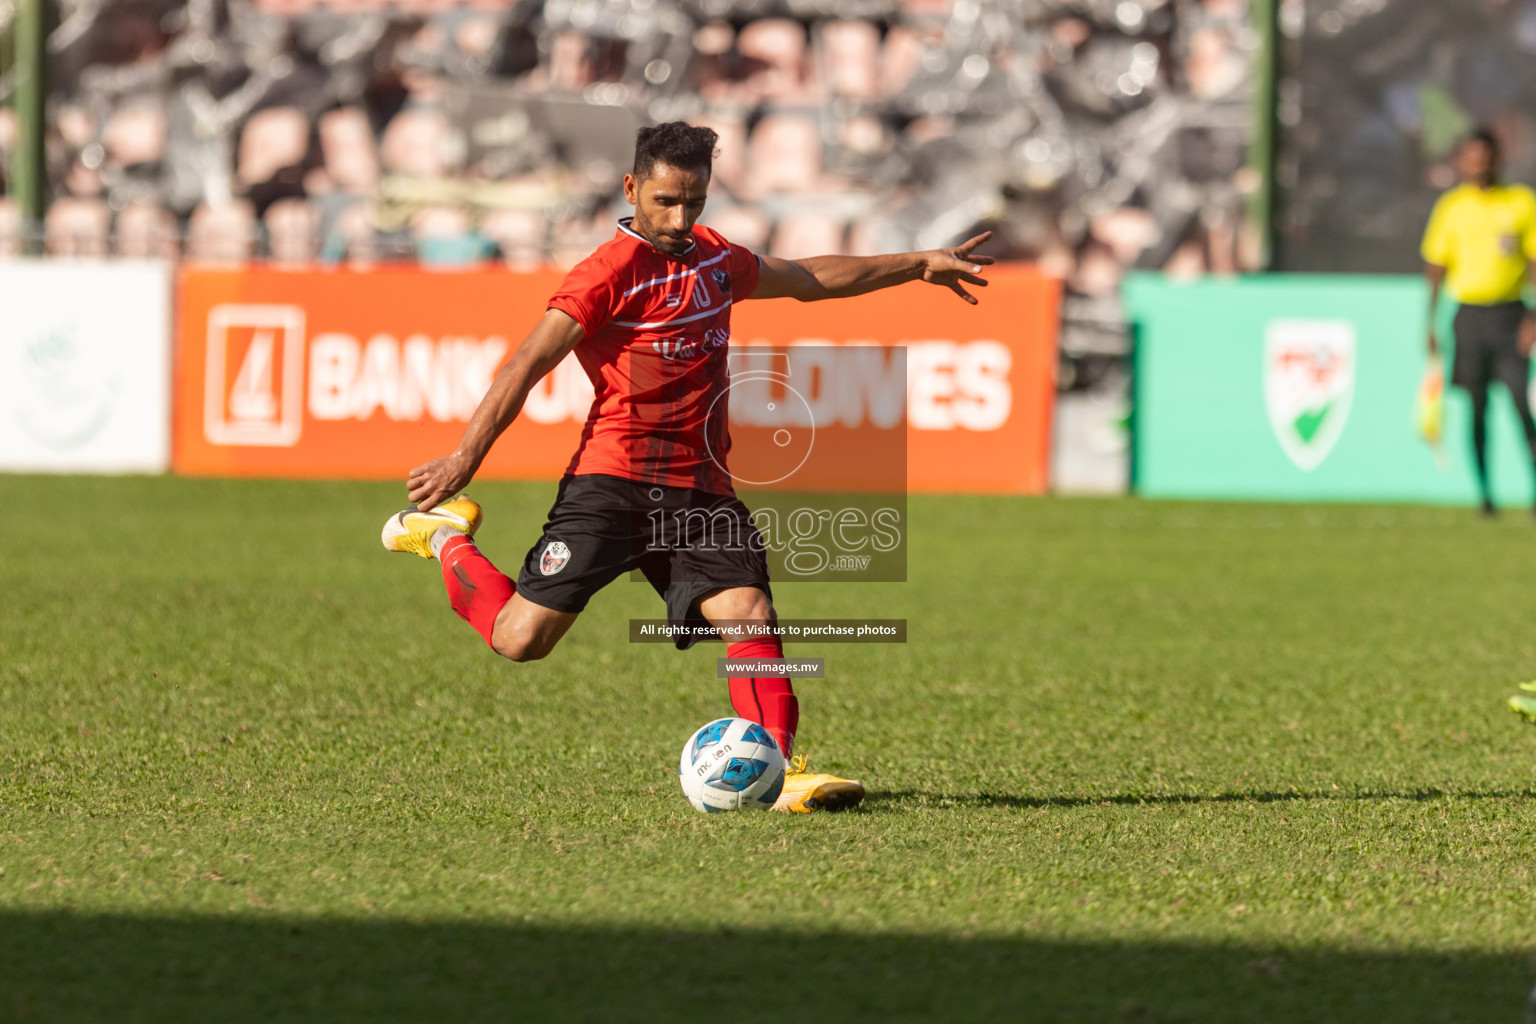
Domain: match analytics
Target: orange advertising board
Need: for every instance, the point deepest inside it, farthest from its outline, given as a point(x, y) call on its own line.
point(364, 374)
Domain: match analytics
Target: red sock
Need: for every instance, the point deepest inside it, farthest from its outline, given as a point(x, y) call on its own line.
point(769, 701)
point(476, 589)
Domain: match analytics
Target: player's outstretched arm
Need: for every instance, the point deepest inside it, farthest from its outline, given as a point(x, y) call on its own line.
point(433, 483)
point(833, 277)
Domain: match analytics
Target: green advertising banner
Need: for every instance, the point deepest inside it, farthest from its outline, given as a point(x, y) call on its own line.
point(1300, 387)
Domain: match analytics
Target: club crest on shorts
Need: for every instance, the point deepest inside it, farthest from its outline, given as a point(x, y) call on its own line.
point(554, 558)
point(722, 280)
point(1309, 382)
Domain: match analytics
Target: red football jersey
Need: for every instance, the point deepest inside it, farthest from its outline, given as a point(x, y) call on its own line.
point(657, 331)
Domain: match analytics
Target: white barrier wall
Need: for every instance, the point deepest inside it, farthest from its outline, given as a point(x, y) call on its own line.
point(85, 366)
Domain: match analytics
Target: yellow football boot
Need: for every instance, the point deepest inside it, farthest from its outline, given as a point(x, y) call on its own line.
point(410, 530)
point(809, 791)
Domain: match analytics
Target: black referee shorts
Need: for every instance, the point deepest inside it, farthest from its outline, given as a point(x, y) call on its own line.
point(686, 542)
point(1488, 348)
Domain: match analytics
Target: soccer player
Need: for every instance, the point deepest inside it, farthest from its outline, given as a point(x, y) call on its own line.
point(648, 316)
point(1480, 241)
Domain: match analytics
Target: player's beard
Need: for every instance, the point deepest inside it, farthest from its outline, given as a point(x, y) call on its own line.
point(663, 243)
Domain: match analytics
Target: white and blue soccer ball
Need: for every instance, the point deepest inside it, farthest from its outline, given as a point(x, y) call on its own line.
point(731, 764)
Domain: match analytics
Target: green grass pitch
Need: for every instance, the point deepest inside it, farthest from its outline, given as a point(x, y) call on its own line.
point(1140, 762)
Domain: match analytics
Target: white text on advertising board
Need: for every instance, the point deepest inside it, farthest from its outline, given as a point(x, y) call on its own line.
point(442, 379)
point(950, 385)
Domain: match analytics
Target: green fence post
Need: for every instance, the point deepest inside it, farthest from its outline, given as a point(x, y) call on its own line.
point(1266, 135)
point(29, 40)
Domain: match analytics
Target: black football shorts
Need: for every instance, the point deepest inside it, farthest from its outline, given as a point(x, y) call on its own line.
point(1488, 347)
point(686, 542)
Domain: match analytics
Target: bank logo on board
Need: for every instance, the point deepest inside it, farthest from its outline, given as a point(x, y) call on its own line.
point(1309, 383)
point(254, 377)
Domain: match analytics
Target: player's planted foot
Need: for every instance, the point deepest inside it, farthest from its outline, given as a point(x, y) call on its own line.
point(810, 791)
point(1525, 707)
point(410, 530)
point(1489, 509)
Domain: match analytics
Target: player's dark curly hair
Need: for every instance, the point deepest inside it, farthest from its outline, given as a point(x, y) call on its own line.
point(675, 144)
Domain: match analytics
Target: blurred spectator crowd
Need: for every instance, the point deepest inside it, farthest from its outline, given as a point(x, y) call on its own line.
point(1091, 135)
point(1376, 96)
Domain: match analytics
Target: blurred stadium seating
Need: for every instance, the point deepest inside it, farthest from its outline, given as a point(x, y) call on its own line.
point(329, 129)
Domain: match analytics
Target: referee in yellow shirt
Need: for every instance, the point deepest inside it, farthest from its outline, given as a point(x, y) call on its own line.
point(1480, 242)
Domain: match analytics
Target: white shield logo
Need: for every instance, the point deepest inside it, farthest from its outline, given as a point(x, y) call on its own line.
point(69, 391)
point(1309, 381)
point(554, 558)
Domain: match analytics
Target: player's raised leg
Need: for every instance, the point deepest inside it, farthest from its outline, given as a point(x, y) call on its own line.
point(526, 631)
point(741, 615)
point(480, 593)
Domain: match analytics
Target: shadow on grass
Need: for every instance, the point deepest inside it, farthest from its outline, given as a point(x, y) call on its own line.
point(889, 797)
point(69, 967)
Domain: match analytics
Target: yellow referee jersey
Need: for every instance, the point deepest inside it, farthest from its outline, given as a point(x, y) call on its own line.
point(1485, 240)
